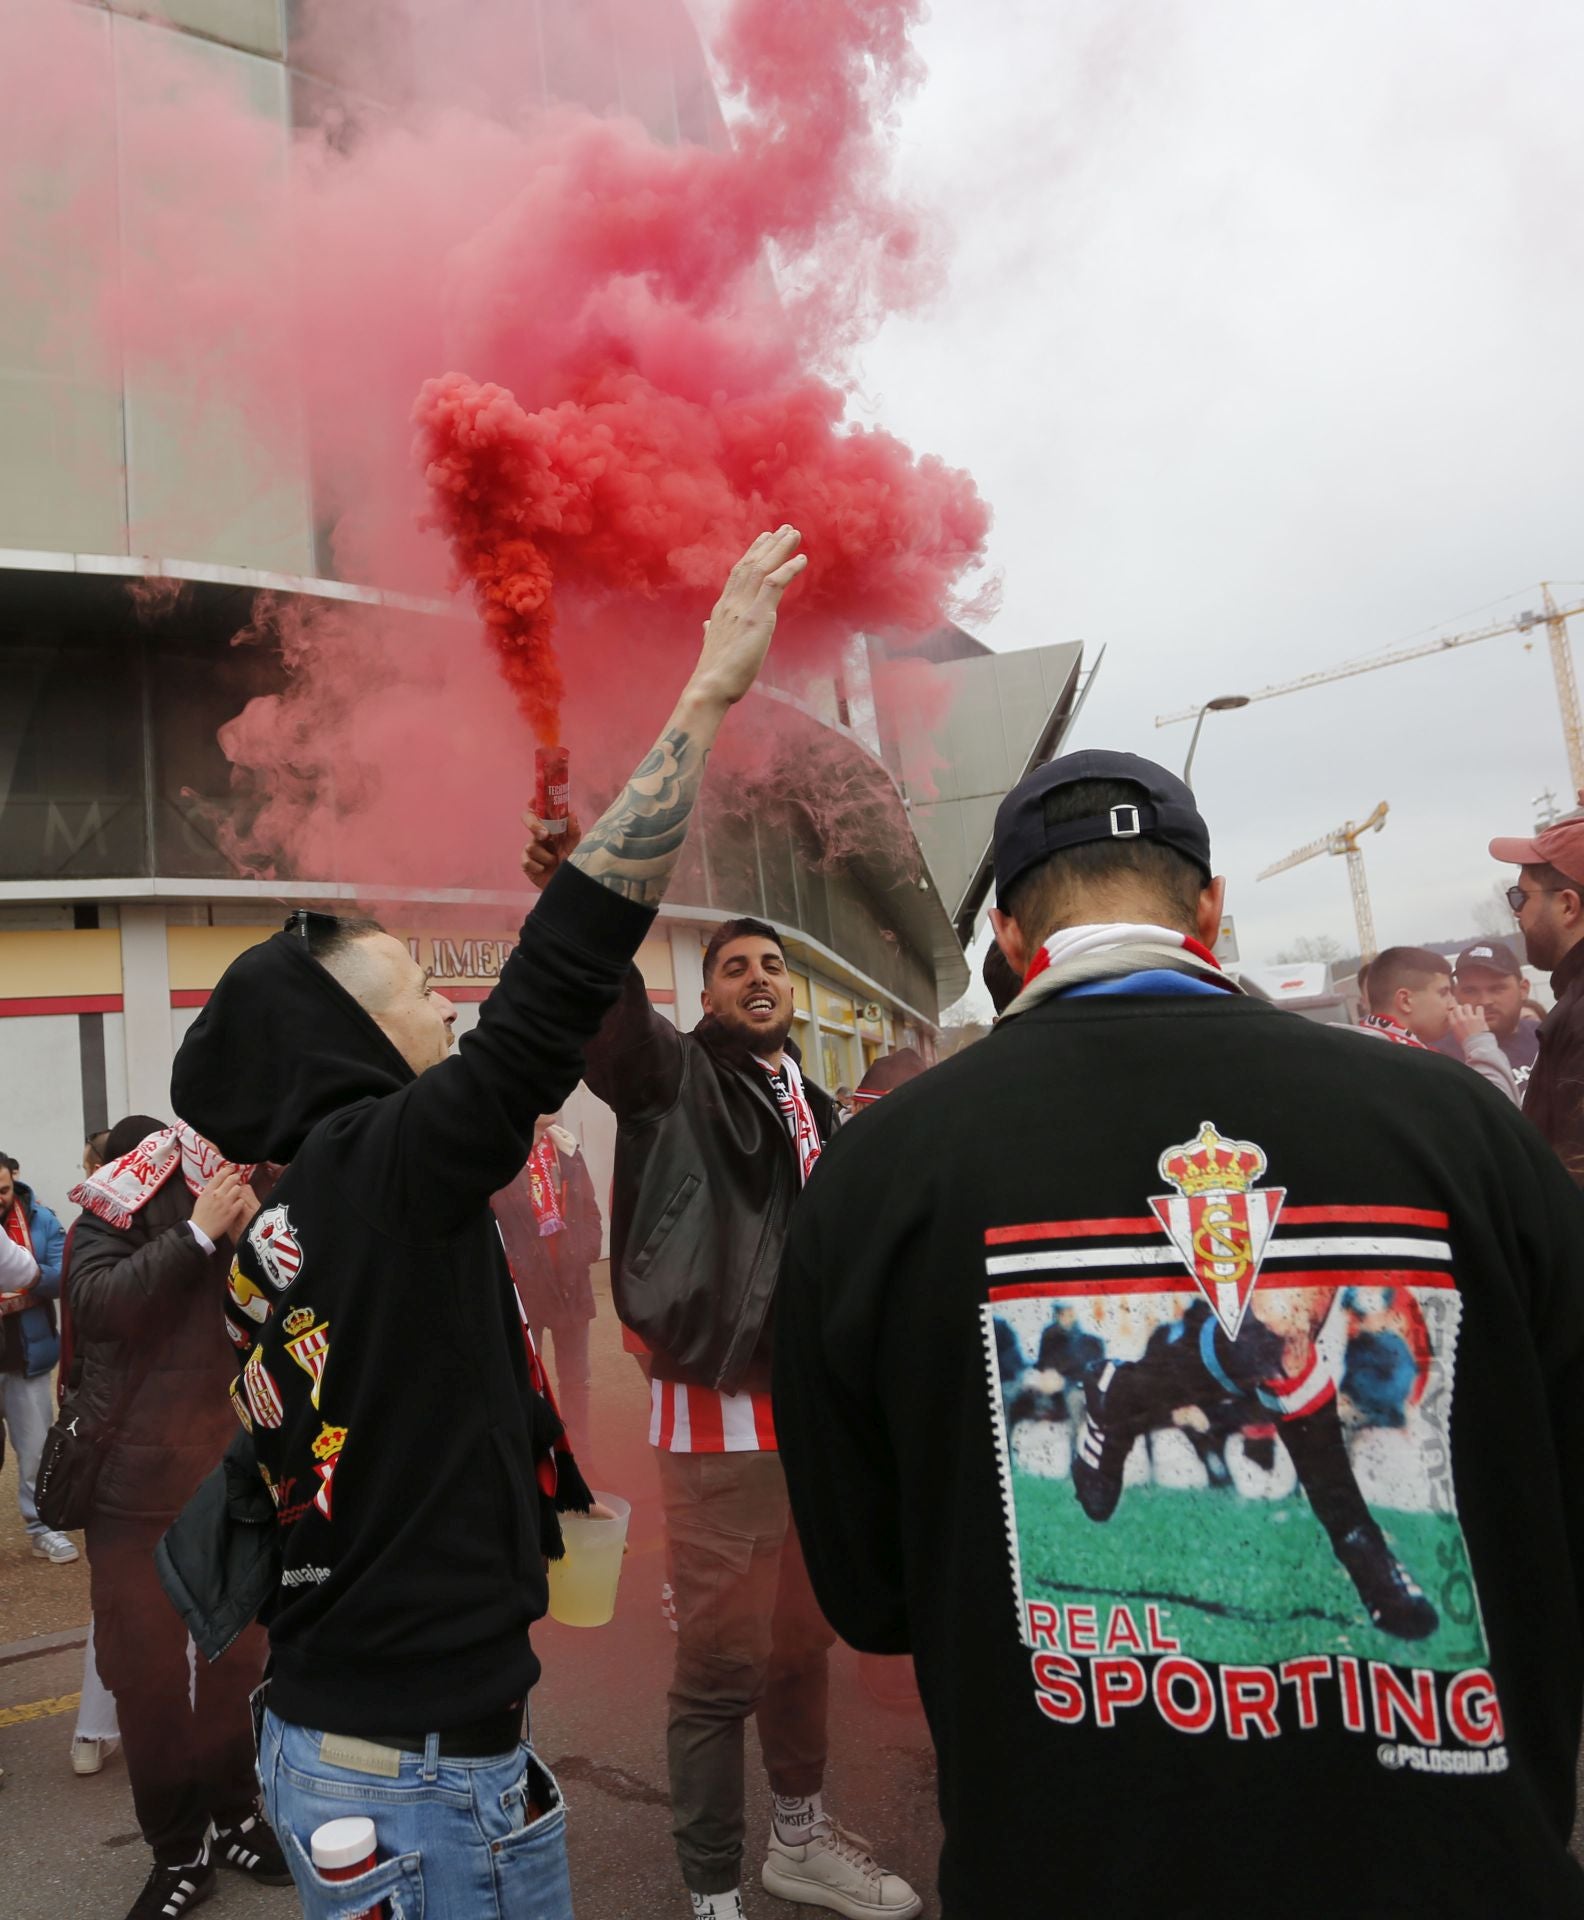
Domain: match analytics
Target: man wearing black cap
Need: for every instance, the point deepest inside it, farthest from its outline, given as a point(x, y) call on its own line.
point(1488, 979)
point(1220, 1198)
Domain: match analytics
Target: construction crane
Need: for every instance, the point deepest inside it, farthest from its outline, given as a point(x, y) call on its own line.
point(1551, 616)
point(1345, 840)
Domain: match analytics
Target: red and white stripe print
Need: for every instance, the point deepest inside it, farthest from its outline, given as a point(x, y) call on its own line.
point(1311, 1246)
point(685, 1419)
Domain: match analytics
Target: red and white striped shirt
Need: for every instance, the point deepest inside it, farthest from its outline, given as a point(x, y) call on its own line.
point(684, 1419)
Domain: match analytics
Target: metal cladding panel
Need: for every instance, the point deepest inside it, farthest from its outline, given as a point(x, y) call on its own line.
point(256, 26)
point(61, 481)
point(1006, 708)
point(194, 486)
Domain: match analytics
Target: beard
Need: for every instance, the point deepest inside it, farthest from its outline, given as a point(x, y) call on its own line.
point(757, 1039)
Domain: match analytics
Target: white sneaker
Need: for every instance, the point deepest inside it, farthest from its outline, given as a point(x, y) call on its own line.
point(88, 1756)
point(834, 1869)
point(54, 1547)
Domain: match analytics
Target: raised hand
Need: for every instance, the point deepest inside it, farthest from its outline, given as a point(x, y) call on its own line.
point(225, 1205)
point(634, 846)
point(547, 852)
point(738, 633)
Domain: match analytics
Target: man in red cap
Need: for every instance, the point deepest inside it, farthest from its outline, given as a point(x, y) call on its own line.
point(1548, 903)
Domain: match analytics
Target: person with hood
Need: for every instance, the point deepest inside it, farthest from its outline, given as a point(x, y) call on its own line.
point(385, 1380)
point(151, 1363)
point(717, 1132)
point(1207, 1683)
point(30, 1343)
point(550, 1222)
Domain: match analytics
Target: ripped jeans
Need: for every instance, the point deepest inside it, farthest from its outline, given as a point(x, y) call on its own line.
point(453, 1836)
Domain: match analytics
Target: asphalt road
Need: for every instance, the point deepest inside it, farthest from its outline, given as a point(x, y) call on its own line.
point(70, 1850)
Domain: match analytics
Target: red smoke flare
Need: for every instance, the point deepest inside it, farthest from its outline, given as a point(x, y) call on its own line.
point(666, 307)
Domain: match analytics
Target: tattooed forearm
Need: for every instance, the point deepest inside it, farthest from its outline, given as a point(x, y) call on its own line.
point(638, 838)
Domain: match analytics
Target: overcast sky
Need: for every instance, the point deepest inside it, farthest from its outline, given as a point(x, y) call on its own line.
point(1263, 338)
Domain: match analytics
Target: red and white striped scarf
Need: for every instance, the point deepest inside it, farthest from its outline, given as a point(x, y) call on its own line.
point(787, 1086)
point(1393, 1030)
point(548, 1216)
point(16, 1225)
point(1068, 943)
point(124, 1187)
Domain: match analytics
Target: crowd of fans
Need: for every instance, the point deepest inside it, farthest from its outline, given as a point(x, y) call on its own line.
point(931, 1365)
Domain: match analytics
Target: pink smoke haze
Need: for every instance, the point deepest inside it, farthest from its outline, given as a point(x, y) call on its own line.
point(628, 356)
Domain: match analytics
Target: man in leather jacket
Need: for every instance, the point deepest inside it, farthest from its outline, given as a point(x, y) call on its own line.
point(717, 1132)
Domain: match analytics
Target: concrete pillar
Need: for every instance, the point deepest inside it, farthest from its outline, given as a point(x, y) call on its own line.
point(687, 970)
point(145, 992)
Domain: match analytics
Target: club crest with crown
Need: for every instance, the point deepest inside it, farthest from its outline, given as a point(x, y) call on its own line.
point(308, 1343)
point(1219, 1219)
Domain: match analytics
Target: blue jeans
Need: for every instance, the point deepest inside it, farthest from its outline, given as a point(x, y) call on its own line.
point(28, 1407)
point(453, 1836)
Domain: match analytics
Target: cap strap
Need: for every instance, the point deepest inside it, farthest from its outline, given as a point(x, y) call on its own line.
point(1125, 822)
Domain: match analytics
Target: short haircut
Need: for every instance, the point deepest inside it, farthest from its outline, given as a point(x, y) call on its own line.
point(13, 1166)
point(1399, 967)
point(730, 930)
point(97, 1142)
point(1553, 879)
point(131, 1132)
point(333, 940)
point(1049, 895)
point(330, 935)
point(1363, 977)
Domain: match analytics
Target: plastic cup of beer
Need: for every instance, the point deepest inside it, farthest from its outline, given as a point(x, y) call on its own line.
point(583, 1583)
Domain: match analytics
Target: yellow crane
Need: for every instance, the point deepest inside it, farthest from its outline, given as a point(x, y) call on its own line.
point(1552, 617)
point(1345, 840)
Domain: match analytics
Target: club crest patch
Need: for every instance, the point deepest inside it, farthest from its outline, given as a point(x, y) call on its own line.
point(279, 1251)
point(263, 1396)
point(246, 1297)
point(308, 1343)
point(327, 1457)
point(1218, 1219)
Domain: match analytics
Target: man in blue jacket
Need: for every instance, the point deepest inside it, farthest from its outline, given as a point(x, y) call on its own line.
point(30, 1346)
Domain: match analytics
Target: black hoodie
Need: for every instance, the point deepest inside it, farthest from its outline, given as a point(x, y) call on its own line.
point(385, 1379)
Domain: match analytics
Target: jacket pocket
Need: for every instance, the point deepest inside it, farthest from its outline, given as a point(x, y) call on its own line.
point(661, 1231)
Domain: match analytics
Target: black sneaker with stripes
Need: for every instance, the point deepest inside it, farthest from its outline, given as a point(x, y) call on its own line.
point(249, 1846)
point(169, 1892)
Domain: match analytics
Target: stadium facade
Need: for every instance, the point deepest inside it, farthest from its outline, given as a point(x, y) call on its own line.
point(118, 909)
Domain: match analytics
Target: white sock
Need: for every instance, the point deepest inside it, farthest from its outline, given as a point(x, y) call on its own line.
point(798, 1817)
point(718, 1906)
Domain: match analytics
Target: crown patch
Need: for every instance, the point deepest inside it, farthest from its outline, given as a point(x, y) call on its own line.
point(1219, 1219)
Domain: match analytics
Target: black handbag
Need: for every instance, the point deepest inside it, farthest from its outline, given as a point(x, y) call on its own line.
point(74, 1451)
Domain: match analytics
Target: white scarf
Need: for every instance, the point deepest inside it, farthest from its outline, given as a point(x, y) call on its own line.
point(1103, 949)
point(122, 1188)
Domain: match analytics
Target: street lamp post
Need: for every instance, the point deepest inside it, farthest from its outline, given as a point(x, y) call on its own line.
point(1222, 703)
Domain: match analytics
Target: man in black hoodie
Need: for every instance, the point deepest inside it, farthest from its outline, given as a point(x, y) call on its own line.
point(1217, 1685)
point(385, 1378)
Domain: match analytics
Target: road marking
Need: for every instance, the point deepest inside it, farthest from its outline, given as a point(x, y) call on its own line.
point(39, 1709)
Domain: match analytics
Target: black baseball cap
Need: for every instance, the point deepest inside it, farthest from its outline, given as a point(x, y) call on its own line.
point(1167, 813)
point(1489, 956)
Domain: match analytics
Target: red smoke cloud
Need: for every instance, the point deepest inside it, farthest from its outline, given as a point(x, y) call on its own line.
point(655, 334)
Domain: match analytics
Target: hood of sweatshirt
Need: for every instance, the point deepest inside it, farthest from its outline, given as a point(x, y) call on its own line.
point(280, 1045)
